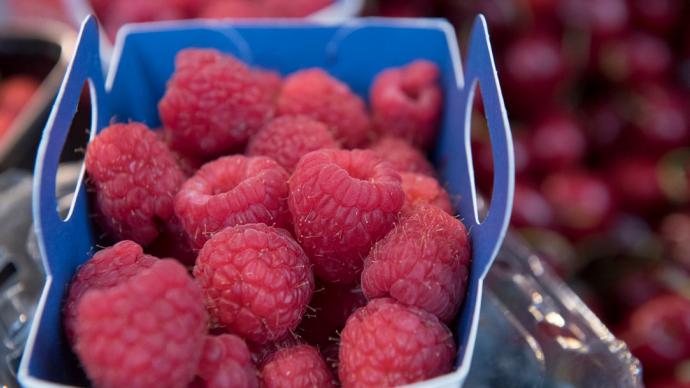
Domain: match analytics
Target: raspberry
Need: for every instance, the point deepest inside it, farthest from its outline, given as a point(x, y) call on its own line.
point(314, 93)
point(403, 156)
point(107, 268)
point(297, 366)
point(16, 92)
point(270, 81)
point(132, 11)
point(420, 188)
point(407, 102)
point(287, 138)
point(226, 362)
point(388, 344)
point(256, 279)
point(341, 203)
point(188, 164)
point(422, 262)
point(213, 103)
point(229, 191)
point(219, 9)
point(173, 242)
point(136, 179)
point(261, 352)
point(147, 331)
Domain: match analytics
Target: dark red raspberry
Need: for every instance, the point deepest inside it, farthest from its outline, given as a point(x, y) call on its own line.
point(386, 344)
point(420, 188)
point(407, 102)
point(136, 179)
point(423, 262)
point(287, 138)
point(213, 103)
point(232, 190)
point(314, 93)
point(107, 268)
point(403, 156)
point(147, 331)
point(295, 367)
point(256, 279)
point(226, 362)
point(341, 203)
point(328, 310)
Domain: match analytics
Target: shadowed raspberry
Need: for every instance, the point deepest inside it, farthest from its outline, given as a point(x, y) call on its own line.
point(423, 262)
point(213, 103)
point(147, 331)
point(136, 178)
point(287, 138)
point(295, 367)
point(403, 156)
point(232, 190)
point(256, 279)
point(107, 268)
point(407, 102)
point(226, 362)
point(341, 203)
point(386, 344)
point(424, 189)
point(314, 93)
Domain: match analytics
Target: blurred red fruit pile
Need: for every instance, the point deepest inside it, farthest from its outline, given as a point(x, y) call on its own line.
point(15, 92)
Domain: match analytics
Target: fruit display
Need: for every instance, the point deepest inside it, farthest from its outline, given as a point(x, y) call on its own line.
point(597, 94)
point(273, 232)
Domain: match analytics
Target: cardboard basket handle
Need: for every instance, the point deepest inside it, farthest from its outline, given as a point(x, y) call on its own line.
point(85, 67)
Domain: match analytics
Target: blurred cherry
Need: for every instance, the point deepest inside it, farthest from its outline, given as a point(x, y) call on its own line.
point(659, 333)
point(636, 182)
point(600, 18)
point(660, 16)
point(557, 141)
point(533, 69)
point(674, 230)
point(604, 123)
point(635, 58)
point(661, 119)
point(581, 201)
point(530, 208)
point(633, 288)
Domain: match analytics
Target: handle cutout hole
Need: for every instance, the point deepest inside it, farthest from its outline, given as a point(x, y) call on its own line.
point(482, 155)
point(70, 170)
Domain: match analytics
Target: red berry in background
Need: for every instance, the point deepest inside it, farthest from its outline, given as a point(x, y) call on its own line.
point(404, 9)
point(636, 183)
point(530, 208)
point(661, 119)
point(213, 103)
point(635, 288)
point(416, 346)
point(674, 230)
point(226, 362)
point(582, 202)
point(342, 202)
point(256, 280)
point(329, 308)
point(15, 92)
point(315, 93)
point(557, 141)
point(218, 9)
point(532, 71)
point(406, 102)
point(636, 58)
point(135, 177)
point(132, 11)
point(232, 190)
point(6, 120)
point(605, 122)
point(599, 18)
point(659, 333)
point(423, 262)
point(659, 16)
point(296, 367)
point(294, 8)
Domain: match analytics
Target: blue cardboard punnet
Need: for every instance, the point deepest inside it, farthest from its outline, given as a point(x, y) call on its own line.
point(353, 51)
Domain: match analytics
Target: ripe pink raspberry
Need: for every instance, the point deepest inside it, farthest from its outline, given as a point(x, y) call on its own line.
point(229, 191)
point(256, 279)
point(314, 93)
point(136, 179)
point(188, 164)
point(261, 352)
point(407, 102)
point(213, 103)
point(386, 344)
point(270, 80)
point(420, 188)
point(287, 138)
point(226, 362)
point(219, 9)
point(341, 203)
point(147, 331)
point(423, 262)
point(295, 367)
point(107, 268)
point(403, 156)
point(329, 308)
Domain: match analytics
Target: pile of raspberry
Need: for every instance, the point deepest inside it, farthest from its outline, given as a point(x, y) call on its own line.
point(274, 232)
